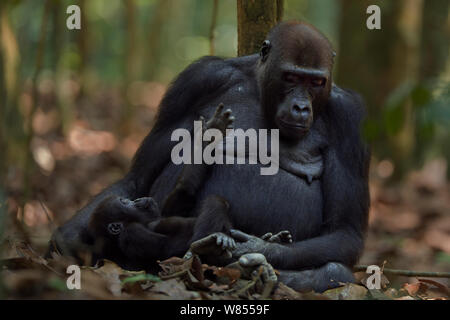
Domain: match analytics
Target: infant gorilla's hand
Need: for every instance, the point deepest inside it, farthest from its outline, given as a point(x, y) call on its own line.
point(247, 243)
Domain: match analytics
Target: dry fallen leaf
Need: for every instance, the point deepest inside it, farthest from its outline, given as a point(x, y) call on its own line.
point(415, 288)
point(349, 291)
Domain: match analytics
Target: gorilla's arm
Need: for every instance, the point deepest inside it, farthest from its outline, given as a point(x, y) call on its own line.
point(139, 244)
point(345, 192)
point(177, 110)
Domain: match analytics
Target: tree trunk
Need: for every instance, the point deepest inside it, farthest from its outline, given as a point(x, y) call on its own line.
point(435, 29)
point(255, 19)
point(132, 49)
point(83, 49)
point(131, 66)
point(390, 57)
point(3, 132)
point(155, 27)
point(212, 29)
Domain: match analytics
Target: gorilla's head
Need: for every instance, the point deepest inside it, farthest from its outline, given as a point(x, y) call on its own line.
point(294, 75)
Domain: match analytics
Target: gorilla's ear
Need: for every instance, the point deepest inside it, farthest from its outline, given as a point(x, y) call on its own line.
point(265, 48)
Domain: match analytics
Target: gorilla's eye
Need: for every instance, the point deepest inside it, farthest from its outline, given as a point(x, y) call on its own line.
point(319, 82)
point(291, 78)
point(115, 228)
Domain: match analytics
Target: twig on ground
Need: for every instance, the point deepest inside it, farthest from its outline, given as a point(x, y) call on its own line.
point(406, 273)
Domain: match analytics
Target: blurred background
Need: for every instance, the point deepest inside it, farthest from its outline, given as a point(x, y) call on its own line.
point(75, 105)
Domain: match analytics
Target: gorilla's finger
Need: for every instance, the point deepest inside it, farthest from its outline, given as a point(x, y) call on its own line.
point(252, 259)
point(227, 113)
point(218, 110)
point(219, 240)
point(225, 243)
point(233, 243)
point(266, 236)
point(227, 254)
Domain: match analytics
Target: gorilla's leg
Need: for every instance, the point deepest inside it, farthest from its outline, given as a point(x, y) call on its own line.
point(326, 277)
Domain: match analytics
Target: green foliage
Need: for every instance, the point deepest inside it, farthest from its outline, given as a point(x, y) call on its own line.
point(141, 277)
point(57, 284)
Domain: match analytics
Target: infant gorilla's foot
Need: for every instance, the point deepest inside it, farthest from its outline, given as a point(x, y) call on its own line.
point(281, 237)
point(221, 120)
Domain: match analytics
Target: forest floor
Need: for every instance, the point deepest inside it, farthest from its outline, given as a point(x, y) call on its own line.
point(409, 225)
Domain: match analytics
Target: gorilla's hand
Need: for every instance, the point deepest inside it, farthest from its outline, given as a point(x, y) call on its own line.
point(216, 244)
point(246, 243)
point(254, 266)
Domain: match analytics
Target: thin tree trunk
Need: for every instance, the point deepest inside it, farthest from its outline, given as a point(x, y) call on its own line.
point(391, 56)
point(435, 29)
point(131, 60)
point(212, 29)
point(83, 48)
point(131, 41)
point(255, 19)
point(155, 27)
point(35, 95)
point(3, 98)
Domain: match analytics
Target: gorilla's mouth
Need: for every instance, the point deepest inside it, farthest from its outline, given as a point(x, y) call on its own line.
point(296, 126)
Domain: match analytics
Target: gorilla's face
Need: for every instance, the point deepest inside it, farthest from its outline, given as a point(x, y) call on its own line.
point(295, 77)
point(113, 214)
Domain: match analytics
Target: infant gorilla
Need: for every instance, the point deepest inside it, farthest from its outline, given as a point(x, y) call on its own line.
point(135, 234)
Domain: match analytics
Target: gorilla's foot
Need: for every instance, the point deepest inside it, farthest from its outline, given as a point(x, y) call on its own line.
point(326, 277)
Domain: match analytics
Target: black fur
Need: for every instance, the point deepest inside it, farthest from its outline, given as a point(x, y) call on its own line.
point(327, 217)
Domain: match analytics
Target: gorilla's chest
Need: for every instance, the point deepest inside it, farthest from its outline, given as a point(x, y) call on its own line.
point(261, 204)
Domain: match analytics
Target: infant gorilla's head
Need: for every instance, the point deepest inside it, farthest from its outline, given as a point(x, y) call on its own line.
point(114, 213)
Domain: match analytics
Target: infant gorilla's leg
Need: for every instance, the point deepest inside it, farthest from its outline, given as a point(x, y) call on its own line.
point(182, 200)
point(210, 238)
point(213, 218)
point(141, 247)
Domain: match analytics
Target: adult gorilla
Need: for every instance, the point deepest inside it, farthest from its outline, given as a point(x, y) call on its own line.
point(320, 194)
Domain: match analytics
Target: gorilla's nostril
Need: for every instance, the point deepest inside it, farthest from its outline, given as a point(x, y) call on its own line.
point(296, 108)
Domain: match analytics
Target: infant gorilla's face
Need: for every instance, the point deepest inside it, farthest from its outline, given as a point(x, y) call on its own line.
point(114, 213)
point(122, 210)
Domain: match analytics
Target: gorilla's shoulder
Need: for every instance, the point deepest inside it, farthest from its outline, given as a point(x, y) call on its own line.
point(225, 66)
point(206, 67)
point(346, 104)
